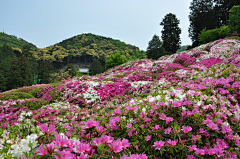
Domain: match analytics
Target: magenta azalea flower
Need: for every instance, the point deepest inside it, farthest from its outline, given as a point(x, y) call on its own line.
point(51, 128)
point(168, 130)
point(148, 137)
point(116, 146)
point(43, 128)
point(124, 143)
point(169, 119)
point(186, 129)
point(172, 143)
point(158, 144)
point(41, 151)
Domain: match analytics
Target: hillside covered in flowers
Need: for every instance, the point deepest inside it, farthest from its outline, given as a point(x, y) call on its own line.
point(185, 105)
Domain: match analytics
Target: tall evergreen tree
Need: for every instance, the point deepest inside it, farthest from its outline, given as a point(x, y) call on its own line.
point(202, 16)
point(222, 8)
point(171, 33)
point(155, 48)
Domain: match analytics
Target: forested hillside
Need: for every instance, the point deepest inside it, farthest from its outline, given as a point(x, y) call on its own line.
point(23, 64)
point(83, 48)
point(13, 41)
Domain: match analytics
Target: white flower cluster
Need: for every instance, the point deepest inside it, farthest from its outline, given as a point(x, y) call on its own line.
point(91, 95)
point(153, 99)
point(23, 114)
point(25, 145)
point(60, 105)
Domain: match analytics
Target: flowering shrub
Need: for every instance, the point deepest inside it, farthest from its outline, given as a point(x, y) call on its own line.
point(185, 59)
point(141, 109)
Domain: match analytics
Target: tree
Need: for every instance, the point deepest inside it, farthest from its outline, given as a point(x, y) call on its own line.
point(71, 70)
point(155, 48)
point(171, 33)
point(28, 53)
point(44, 68)
point(202, 15)
point(222, 8)
point(15, 79)
point(114, 60)
point(95, 67)
point(6, 54)
point(25, 72)
point(234, 18)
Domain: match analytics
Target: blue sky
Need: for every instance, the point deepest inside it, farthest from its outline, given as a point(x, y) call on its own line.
point(46, 22)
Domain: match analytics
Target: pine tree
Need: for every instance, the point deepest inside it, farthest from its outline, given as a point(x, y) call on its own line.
point(171, 33)
point(155, 48)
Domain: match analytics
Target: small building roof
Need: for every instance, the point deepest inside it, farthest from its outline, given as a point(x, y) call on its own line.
point(83, 70)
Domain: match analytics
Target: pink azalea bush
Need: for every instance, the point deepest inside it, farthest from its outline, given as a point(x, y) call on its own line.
point(169, 108)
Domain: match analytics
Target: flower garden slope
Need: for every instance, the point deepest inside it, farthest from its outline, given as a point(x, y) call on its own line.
point(171, 107)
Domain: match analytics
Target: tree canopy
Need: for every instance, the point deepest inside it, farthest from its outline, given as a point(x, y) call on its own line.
point(234, 18)
point(171, 33)
point(95, 67)
point(114, 60)
point(208, 14)
point(155, 48)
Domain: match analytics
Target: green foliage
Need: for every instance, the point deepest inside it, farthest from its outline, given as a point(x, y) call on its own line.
point(115, 60)
point(171, 33)
point(234, 18)
point(13, 41)
point(155, 48)
point(95, 67)
point(44, 69)
point(31, 104)
point(25, 72)
point(15, 95)
point(182, 48)
point(71, 70)
point(35, 91)
point(15, 79)
point(207, 36)
point(83, 48)
point(209, 14)
point(235, 37)
point(21, 63)
point(6, 53)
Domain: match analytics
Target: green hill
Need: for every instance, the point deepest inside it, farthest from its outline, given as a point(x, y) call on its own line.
point(182, 48)
point(83, 48)
point(13, 41)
